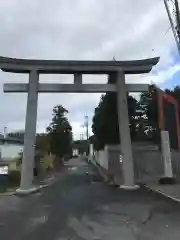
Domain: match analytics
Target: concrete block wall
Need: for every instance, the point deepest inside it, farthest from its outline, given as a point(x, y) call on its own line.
point(175, 155)
point(148, 163)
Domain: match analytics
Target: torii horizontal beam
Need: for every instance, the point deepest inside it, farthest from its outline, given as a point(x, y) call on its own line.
point(72, 88)
point(70, 66)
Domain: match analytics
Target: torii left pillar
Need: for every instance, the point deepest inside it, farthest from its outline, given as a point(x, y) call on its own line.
point(27, 174)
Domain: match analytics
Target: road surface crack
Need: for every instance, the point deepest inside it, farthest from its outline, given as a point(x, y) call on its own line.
point(148, 217)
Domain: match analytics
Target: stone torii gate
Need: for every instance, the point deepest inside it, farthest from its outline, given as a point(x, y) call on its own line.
point(116, 71)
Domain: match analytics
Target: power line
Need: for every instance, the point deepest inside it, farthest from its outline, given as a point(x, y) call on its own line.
point(174, 19)
point(177, 19)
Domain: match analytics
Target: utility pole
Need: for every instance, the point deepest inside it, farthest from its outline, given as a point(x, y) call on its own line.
point(87, 126)
point(81, 136)
point(174, 19)
point(5, 132)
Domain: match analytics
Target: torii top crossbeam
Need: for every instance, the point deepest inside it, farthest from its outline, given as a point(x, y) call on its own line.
point(70, 66)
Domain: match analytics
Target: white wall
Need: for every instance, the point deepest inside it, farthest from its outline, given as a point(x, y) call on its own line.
point(75, 152)
point(101, 158)
point(10, 150)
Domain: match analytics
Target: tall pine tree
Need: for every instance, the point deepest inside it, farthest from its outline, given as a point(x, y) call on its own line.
point(60, 132)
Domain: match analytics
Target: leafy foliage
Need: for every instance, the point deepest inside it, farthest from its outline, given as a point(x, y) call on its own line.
point(105, 121)
point(43, 143)
point(149, 106)
point(60, 132)
point(106, 115)
point(17, 134)
point(143, 118)
point(175, 93)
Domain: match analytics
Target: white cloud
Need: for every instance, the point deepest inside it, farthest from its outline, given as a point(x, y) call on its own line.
point(80, 29)
point(166, 74)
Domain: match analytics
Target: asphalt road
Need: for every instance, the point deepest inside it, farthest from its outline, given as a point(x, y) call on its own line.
point(80, 206)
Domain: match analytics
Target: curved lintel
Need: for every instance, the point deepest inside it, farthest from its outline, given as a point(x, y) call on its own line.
point(72, 66)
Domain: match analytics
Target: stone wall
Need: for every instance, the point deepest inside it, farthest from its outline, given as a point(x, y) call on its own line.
point(148, 164)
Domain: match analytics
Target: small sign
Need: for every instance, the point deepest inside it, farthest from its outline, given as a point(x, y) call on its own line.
point(166, 153)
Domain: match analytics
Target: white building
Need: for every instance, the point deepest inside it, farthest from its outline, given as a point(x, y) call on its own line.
point(10, 148)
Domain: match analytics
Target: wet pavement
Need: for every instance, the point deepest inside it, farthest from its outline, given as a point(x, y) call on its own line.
point(78, 205)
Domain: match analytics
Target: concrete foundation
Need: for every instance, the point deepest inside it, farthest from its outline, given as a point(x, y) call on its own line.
point(130, 188)
point(27, 191)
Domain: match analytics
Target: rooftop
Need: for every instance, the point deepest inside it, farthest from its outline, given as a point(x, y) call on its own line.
point(10, 139)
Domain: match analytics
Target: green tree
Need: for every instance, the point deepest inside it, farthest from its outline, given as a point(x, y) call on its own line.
point(17, 134)
point(175, 93)
point(43, 142)
point(149, 106)
point(105, 121)
point(60, 133)
point(150, 109)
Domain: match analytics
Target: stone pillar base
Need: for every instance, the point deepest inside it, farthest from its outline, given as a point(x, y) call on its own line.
point(130, 188)
point(33, 189)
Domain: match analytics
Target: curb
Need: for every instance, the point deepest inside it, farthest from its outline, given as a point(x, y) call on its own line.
point(7, 194)
point(48, 182)
point(163, 194)
point(42, 185)
point(102, 172)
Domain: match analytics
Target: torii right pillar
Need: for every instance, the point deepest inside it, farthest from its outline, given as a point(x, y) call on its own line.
point(124, 132)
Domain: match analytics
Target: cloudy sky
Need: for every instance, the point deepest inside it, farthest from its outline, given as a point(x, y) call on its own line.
point(82, 30)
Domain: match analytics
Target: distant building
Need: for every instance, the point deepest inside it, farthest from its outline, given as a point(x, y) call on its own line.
point(10, 147)
point(10, 140)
